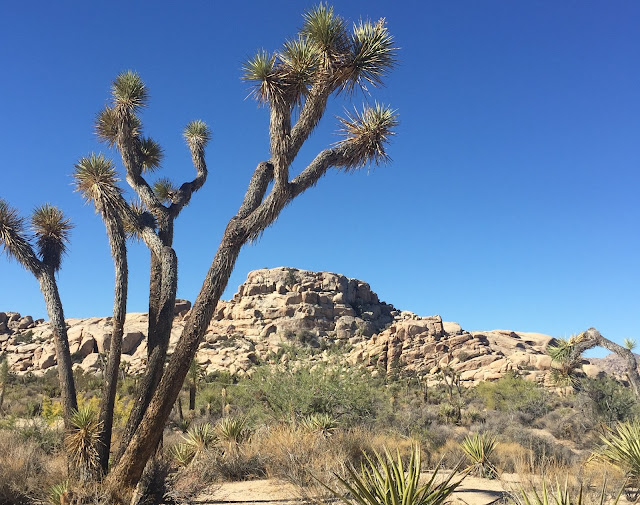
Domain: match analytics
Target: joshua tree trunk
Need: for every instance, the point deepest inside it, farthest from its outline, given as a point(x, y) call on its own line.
point(116, 236)
point(49, 289)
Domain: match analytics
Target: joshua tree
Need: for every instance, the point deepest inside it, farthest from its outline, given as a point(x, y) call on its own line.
point(568, 353)
point(295, 83)
point(96, 178)
point(51, 233)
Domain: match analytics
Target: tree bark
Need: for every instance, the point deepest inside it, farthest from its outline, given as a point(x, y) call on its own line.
point(116, 236)
point(49, 289)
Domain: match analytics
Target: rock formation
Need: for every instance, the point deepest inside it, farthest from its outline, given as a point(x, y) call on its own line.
point(332, 316)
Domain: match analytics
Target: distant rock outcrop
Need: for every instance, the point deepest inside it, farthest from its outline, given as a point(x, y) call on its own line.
point(337, 318)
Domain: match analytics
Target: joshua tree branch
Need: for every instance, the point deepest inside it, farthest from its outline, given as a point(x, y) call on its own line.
point(261, 178)
point(592, 338)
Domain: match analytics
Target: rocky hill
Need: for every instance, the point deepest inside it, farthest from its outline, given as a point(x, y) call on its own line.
point(328, 316)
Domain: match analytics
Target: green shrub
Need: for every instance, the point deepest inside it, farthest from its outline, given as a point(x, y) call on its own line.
point(611, 402)
point(515, 395)
point(289, 393)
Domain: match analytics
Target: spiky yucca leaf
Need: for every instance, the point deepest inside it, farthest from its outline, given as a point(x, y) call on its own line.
point(56, 492)
point(107, 125)
point(263, 72)
point(479, 448)
point(561, 350)
point(385, 481)
point(197, 134)
point(129, 91)
point(630, 343)
point(323, 423)
point(164, 189)
point(182, 453)
point(14, 239)
point(200, 437)
point(82, 440)
point(96, 179)
point(299, 59)
point(232, 430)
point(52, 231)
point(327, 31)
point(622, 449)
point(365, 135)
point(372, 55)
point(561, 496)
point(151, 154)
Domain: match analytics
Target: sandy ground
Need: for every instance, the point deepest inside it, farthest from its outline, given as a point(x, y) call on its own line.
point(472, 491)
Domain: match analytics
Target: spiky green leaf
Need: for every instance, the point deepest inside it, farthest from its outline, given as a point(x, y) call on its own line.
point(371, 56)
point(52, 231)
point(366, 134)
point(164, 189)
point(96, 179)
point(327, 31)
point(14, 239)
point(197, 134)
point(264, 73)
point(129, 92)
point(151, 154)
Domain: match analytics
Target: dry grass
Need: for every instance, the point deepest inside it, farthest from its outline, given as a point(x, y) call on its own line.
point(27, 472)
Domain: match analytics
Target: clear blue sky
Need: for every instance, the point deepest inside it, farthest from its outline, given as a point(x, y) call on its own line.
point(511, 201)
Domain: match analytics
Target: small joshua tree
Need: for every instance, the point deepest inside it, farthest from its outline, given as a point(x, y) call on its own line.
point(50, 231)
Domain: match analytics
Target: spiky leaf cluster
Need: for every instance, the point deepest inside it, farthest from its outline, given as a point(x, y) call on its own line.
point(129, 92)
point(622, 449)
point(51, 230)
point(82, 441)
point(96, 179)
point(197, 135)
point(323, 52)
point(164, 189)
point(151, 154)
point(14, 239)
point(108, 123)
point(479, 449)
point(384, 480)
point(365, 135)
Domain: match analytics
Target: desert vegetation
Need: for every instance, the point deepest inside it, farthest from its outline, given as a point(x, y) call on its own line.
point(328, 429)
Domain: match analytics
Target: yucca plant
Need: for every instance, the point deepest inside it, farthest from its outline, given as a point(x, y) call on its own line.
point(182, 453)
point(57, 491)
point(232, 431)
point(200, 437)
point(479, 448)
point(622, 449)
point(383, 480)
point(81, 441)
point(323, 423)
point(561, 496)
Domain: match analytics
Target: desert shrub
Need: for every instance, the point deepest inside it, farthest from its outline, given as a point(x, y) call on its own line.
point(289, 393)
point(27, 472)
point(544, 452)
point(515, 395)
point(611, 402)
point(46, 438)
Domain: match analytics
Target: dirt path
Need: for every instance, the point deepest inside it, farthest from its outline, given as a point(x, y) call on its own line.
point(472, 491)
